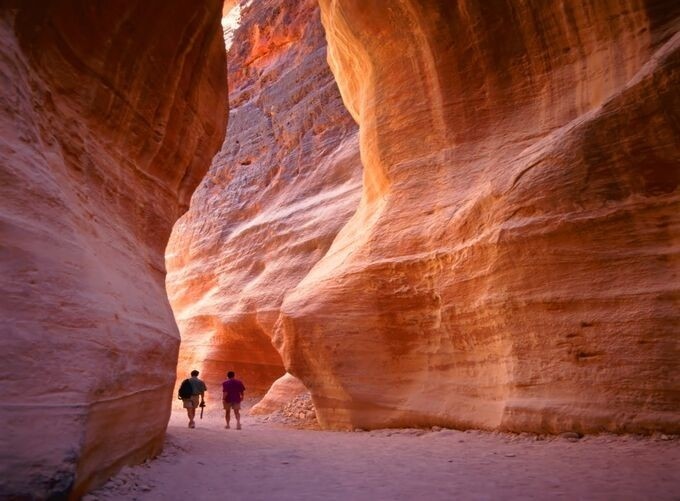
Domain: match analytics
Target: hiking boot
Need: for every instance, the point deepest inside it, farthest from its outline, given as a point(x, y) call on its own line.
point(227, 427)
point(238, 426)
point(192, 425)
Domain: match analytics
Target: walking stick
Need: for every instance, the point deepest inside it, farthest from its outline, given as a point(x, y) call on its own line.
point(202, 406)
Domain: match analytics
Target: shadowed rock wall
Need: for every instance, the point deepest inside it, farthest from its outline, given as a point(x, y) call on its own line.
point(110, 114)
point(513, 263)
point(287, 178)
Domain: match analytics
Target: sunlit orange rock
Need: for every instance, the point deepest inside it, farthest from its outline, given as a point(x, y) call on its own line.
point(109, 115)
point(287, 178)
point(282, 391)
point(513, 262)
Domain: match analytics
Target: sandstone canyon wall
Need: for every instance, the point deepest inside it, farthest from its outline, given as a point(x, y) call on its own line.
point(287, 178)
point(513, 262)
point(110, 114)
point(280, 393)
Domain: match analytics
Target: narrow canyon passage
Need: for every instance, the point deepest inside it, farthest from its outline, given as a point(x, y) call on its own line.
point(269, 462)
point(427, 215)
point(287, 178)
point(474, 203)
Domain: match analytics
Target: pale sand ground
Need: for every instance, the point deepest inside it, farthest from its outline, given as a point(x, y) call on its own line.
point(266, 461)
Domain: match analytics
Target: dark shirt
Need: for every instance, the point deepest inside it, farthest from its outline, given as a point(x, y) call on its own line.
point(232, 389)
point(197, 385)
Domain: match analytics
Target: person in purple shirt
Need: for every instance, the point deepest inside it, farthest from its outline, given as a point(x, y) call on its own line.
point(232, 395)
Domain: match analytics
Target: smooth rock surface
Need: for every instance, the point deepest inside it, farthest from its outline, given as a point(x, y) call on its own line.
point(109, 115)
point(282, 391)
point(287, 178)
point(513, 263)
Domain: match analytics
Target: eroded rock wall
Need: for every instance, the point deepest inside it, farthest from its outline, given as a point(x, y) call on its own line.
point(282, 392)
point(287, 178)
point(513, 263)
point(110, 114)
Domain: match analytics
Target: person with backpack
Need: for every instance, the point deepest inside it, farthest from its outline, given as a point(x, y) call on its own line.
point(232, 395)
point(192, 392)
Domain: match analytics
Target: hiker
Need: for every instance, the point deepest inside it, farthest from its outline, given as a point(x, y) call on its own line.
point(190, 391)
point(232, 395)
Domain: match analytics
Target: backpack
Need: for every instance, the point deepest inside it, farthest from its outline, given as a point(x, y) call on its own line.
point(185, 390)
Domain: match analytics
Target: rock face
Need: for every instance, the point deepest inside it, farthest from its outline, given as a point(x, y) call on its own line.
point(110, 114)
point(287, 178)
point(282, 391)
point(513, 263)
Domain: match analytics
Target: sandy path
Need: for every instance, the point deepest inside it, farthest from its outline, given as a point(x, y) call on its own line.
point(267, 462)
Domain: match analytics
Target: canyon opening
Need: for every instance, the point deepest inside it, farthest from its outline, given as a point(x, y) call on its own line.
point(437, 240)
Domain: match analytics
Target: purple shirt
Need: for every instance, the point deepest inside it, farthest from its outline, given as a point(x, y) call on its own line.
point(232, 389)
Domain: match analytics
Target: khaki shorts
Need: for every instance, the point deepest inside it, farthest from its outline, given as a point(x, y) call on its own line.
point(191, 403)
point(231, 405)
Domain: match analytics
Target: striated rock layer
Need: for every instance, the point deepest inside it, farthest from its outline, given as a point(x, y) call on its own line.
point(513, 263)
point(286, 180)
point(110, 113)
